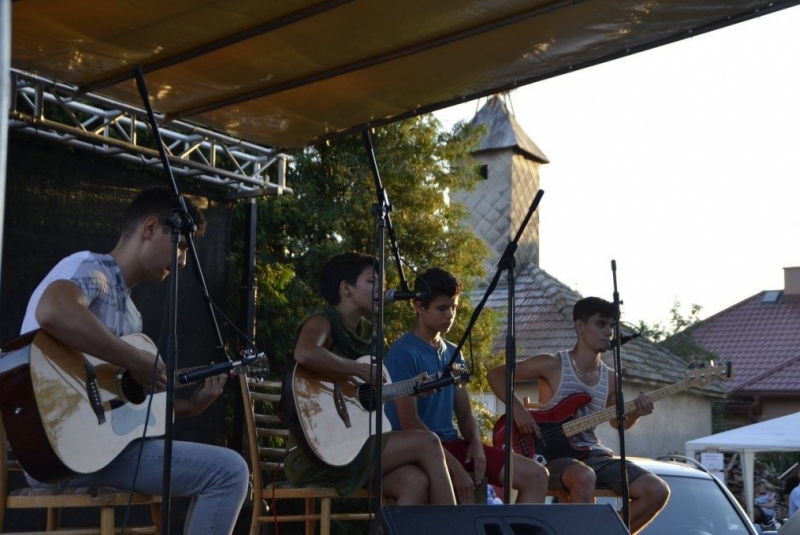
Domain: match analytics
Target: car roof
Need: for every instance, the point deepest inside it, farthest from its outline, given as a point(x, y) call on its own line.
point(670, 468)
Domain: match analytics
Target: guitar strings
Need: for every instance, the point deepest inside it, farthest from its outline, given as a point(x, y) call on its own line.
point(109, 384)
point(523, 438)
point(128, 381)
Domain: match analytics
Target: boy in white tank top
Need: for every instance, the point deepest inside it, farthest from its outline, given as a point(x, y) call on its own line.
point(576, 381)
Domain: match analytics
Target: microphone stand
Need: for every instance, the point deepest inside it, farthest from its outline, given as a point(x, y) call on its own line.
point(381, 212)
point(620, 401)
point(181, 223)
point(506, 263)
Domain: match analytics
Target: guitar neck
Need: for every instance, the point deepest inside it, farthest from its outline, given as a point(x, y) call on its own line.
point(235, 371)
point(609, 413)
point(398, 389)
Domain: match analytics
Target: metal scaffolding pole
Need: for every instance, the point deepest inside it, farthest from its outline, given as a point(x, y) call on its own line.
point(5, 88)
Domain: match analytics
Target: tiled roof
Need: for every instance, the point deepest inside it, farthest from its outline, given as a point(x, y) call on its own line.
point(543, 318)
point(762, 339)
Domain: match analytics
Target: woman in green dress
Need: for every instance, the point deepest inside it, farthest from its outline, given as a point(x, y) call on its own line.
point(330, 340)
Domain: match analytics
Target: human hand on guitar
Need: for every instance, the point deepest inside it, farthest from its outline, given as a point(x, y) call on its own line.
point(203, 396)
point(644, 405)
point(421, 379)
point(524, 422)
point(369, 373)
point(142, 371)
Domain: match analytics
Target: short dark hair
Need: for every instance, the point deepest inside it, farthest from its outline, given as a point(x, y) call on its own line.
point(343, 268)
point(158, 202)
point(589, 306)
point(436, 282)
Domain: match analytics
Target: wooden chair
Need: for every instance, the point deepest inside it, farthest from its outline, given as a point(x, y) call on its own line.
point(267, 446)
point(53, 500)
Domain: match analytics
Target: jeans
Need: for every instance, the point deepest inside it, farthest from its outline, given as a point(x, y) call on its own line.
point(216, 479)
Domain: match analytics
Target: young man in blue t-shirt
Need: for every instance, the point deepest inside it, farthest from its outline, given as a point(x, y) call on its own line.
point(424, 350)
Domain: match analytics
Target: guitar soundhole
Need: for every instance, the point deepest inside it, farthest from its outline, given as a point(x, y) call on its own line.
point(131, 390)
point(367, 397)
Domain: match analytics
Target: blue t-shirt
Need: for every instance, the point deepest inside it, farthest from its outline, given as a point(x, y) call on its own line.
point(408, 357)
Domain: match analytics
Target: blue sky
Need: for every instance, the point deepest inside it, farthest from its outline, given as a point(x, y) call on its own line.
point(679, 163)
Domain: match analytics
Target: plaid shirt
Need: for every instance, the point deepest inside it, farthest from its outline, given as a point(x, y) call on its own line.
point(101, 280)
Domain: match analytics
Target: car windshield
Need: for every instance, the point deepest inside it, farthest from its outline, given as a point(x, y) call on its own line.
point(696, 507)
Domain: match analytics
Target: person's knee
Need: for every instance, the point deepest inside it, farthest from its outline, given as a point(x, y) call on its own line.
point(652, 488)
point(661, 492)
point(580, 478)
point(233, 468)
point(409, 485)
point(429, 444)
point(533, 474)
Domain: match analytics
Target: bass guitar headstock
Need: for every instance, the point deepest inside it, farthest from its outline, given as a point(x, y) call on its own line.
point(702, 374)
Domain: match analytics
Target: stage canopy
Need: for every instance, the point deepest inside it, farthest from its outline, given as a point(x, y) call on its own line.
point(291, 73)
point(286, 74)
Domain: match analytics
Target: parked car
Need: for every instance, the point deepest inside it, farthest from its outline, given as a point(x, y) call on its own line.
point(699, 503)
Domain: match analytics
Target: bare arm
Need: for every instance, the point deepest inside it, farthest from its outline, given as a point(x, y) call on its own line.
point(530, 369)
point(644, 405)
point(311, 351)
point(470, 432)
point(63, 312)
point(466, 420)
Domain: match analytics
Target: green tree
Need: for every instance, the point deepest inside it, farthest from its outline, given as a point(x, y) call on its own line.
point(676, 335)
point(331, 211)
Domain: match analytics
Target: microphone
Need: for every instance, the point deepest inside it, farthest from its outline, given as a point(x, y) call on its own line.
point(216, 369)
point(611, 344)
point(441, 382)
point(399, 295)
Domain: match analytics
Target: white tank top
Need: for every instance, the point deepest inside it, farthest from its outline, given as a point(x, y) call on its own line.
point(570, 384)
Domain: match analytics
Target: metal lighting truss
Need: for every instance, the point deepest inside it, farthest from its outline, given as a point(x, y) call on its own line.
point(87, 121)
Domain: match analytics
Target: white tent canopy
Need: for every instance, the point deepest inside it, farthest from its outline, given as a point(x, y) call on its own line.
point(777, 434)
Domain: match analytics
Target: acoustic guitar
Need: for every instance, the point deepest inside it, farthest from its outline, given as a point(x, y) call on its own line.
point(558, 425)
point(332, 416)
point(67, 413)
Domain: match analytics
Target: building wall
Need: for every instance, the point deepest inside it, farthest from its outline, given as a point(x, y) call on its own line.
point(749, 410)
point(779, 406)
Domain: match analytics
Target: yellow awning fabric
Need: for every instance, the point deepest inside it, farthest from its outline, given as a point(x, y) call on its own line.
point(288, 73)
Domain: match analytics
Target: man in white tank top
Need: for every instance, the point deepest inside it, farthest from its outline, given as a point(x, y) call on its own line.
point(577, 382)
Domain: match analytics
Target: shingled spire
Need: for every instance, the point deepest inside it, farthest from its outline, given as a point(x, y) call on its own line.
point(510, 163)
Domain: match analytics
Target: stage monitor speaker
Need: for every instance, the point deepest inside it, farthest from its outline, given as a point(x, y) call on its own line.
point(554, 519)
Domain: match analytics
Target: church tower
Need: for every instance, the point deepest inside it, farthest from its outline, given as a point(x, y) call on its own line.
point(510, 163)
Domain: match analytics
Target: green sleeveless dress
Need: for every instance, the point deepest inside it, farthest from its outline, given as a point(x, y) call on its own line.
point(354, 476)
